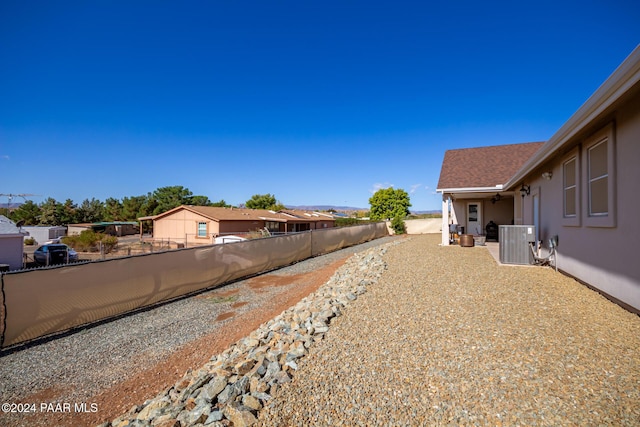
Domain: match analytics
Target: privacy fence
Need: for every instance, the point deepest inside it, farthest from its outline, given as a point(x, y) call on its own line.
point(38, 303)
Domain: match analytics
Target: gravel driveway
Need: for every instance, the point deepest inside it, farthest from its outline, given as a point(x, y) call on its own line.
point(448, 337)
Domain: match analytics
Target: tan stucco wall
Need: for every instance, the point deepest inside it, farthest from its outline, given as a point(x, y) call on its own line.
point(423, 226)
point(604, 257)
point(500, 212)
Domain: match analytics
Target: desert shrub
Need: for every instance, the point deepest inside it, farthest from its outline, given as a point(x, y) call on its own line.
point(89, 241)
point(109, 242)
point(29, 241)
point(345, 222)
point(397, 225)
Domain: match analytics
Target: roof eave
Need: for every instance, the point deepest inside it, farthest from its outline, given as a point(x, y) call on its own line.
point(497, 187)
point(265, 218)
point(621, 80)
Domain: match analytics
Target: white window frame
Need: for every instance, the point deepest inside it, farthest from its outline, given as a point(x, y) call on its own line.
point(608, 219)
point(572, 220)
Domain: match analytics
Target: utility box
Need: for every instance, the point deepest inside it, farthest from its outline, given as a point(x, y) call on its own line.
point(514, 244)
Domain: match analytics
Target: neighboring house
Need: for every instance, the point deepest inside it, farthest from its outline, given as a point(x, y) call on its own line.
point(303, 221)
point(11, 244)
point(582, 186)
point(114, 228)
point(44, 233)
point(202, 224)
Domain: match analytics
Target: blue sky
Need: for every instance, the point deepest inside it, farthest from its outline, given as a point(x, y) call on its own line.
point(316, 103)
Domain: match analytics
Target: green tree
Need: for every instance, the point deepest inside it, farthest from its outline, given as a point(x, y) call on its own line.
point(388, 203)
point(50, 212)
point(132, 207)
point(170, 197)
point(200, 201)
point(221, 204)
point(148, 206)
point(68, 212)
point(113, 210)
point(28, 212)
point(90, 211)
point(264, 201)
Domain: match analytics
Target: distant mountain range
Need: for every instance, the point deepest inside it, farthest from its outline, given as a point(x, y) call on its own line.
point(10, 205)
point(321, 208)
point(326, 208)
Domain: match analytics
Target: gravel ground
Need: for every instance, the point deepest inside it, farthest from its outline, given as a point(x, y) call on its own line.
point(448, 337)
point(76, 367)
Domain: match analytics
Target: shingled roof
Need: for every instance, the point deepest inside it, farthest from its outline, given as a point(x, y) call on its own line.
point(243, 214)
point(484, 167)
point(228, 214)
point(8, 227)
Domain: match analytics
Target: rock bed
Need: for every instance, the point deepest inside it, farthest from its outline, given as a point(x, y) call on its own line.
point(236, 384)
point(447, 337)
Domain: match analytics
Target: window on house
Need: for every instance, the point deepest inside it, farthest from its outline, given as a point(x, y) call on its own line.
point(272, 226)
point(570, 188)
point(598, 179)
point(202, 229)
point(599, 170)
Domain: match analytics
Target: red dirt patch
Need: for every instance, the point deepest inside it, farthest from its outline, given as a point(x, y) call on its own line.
point(273, 280)
point(239, 304)
point(219, 293)
point(225, 316)
point(45, 395)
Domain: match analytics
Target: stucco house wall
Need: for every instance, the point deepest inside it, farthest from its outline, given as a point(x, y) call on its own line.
point(605, 257)
point(500, 212)
point(11, 251)
point(241, 226)
point(11, 244)
point(182, 226)
point(324, 224)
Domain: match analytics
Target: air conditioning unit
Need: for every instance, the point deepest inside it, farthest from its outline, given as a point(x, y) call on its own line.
point(514, 244)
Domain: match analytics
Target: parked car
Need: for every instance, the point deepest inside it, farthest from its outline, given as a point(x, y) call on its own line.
point(55, 240)
point(228, 239)
point(54, 254)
